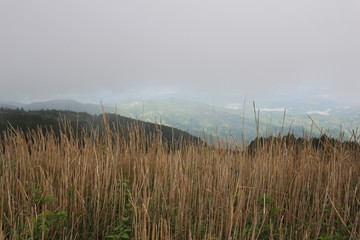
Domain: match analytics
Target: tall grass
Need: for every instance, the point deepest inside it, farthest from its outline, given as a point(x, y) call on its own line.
point(106, 186)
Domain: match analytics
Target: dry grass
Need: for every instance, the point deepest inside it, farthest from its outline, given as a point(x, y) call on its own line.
point(108, 187)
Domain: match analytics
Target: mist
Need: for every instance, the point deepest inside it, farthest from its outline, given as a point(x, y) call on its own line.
point(107, 49)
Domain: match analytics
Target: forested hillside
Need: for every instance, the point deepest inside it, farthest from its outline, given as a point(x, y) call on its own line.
point(82, 122)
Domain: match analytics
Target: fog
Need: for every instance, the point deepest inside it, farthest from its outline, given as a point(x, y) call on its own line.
point(105, 49)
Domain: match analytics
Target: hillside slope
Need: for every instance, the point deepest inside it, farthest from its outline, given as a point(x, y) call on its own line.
point(82, 122)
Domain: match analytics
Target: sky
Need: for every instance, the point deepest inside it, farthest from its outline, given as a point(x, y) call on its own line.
point(87, 49)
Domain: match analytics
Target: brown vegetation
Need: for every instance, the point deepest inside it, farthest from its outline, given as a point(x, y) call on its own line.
point(111, 187)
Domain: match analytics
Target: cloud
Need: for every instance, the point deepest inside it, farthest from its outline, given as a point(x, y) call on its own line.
point(222, 47)
point(326, 112)
point(272, 109)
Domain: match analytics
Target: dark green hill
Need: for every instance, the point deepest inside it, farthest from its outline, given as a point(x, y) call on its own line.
point(80, 122)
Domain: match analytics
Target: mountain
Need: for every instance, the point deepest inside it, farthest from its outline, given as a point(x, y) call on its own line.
point(313, 115)
point(66, 104)
point(81, 122)
point(11, 104)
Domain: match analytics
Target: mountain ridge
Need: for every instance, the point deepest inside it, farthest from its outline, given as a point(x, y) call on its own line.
point(198, 117)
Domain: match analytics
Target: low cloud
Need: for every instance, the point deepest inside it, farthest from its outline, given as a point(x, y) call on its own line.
point(248, 48)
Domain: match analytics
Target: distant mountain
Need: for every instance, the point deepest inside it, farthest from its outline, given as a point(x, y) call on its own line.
point(194, 117)
point(11, 104)
point(67, 104)
point(232, 119)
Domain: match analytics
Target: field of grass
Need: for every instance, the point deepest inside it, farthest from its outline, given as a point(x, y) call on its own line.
point(110, 187)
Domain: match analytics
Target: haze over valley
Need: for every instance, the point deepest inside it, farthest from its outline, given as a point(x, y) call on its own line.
point(312, 116)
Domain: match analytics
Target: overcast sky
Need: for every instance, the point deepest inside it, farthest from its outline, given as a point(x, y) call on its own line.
point(50, 49)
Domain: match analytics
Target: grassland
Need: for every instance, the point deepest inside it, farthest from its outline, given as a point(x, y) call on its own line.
point(106, 186)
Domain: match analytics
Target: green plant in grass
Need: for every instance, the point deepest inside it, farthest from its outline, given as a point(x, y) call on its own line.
point(49, 223)
point(46, 223)
point(123, 227)
point(38, 198)
point(271, 212)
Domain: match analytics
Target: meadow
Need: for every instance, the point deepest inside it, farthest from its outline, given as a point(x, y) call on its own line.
point(107, 186)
